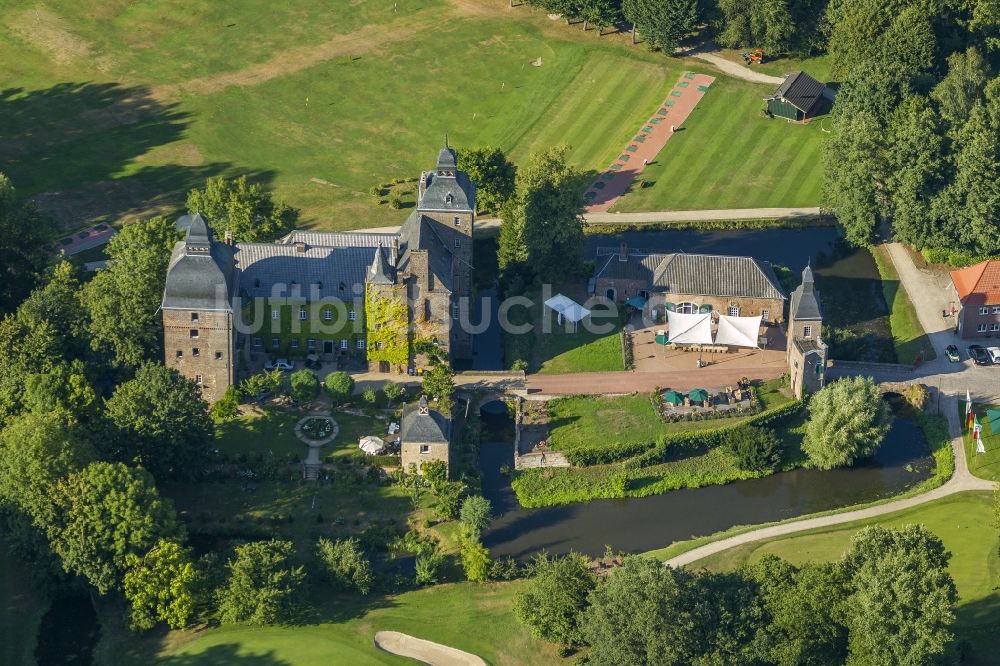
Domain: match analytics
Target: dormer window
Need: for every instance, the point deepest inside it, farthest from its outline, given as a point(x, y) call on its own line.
point(449, 199)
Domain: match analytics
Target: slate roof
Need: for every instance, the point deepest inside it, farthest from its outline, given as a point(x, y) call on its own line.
point(805, 299)
point(694, 274)
point(200, 275)
point(978, 284)
point(800, 90)
point(380, 271)
point(446, 188)
point(283, 271)
point(341, 239)
point(417, 233)
point(808, 346)
point(432, 427)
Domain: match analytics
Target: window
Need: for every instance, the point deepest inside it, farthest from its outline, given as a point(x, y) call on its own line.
point(981, 328)
point(734, 311)
point(996, 309)
point(275, 313)
point(180, 354)
point(352, 315)
point(194, 316)
point(765, 315)
point(275, 342)
point(218, 356)
point(458, 242)
point(310, 344)
point(458, 221)
point(361, 343)
point(454, 311)
point(194, 333)
point(807, 332)
point(995, 327)
point(195, 352)
point(303, 314)
point(424, 448)
point(687, 308)
point(198, 380)
point(984, 310)
point(257, 342)
point(295, 343)
point(343, 343)
point(378, 345)
point(327, 315)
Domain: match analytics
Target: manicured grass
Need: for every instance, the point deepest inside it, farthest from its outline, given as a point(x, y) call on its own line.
point(352, 428)
point(817, 67)
point(471, 617)
point(274, 432)
point(729, 156)
point(588, 421)
point(965, 524)
point(984, 465)
point(21, 611)
point(907, 334)
point(579, 351)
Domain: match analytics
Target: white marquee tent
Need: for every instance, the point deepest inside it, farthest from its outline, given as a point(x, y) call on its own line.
point(690, 329)
point(568, 308)
point(372, 445)
point(738, 331)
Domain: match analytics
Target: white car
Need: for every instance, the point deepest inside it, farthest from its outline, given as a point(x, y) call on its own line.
point(280, 364)
point(994, 353)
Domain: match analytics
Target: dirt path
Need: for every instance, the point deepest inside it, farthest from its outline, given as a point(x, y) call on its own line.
point(423, 651)
point(736, 70)
point(648, 141)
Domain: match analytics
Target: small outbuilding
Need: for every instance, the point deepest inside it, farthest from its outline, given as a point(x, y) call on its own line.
point(799, 98)
point(425, 436)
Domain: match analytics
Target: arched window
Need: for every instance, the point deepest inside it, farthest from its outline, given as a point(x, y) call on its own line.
point(687, 308)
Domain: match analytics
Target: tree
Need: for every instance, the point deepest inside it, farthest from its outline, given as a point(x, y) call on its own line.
point(902, 602)
point(345, 565)
point(853, 176)
point(163, 422)
point(476, 560)
point(551, 604)
point(847, 420)
point(449, 496)
point(600, 13)
point(755, 449)
point(161, 586)
point(57, 302)
point(123, 300)
point(475, 514)
point(303, 386)
point(493, 175)
point(227, 407)
point(104, 512)
point(263, 587)
point(427, 565)
point(244, 209)
point(439, 384)
point(962, 87)
point(24, 238)
point(339, 385)
point(392, 392)
point(63, 387)
point(642, 613)
point(263, 382)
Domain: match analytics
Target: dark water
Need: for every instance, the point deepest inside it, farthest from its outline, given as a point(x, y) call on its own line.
point(487, 347)
point(641, 524)
point(68, 633)
point(789, 247)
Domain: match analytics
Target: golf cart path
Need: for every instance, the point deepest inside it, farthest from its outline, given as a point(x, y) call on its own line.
point(427, 652)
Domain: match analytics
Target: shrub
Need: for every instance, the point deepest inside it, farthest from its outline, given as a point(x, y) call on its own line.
point(428, 566)
point(916, 395)
point(339, 385)
point(395, 201)
point(303, 386)
point(369, 396)
point(755, 449)
point(228, 407)
point(345, 565)
point(475, 514)
point(475, 560)
point(392, 392)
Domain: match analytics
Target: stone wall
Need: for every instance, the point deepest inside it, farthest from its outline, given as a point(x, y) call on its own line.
point(199, 344)
point(410, 453)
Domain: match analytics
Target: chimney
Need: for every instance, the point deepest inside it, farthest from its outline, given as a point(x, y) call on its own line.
point(229, 237)
point(300, 246)
point(622, 252)
point(422, 408)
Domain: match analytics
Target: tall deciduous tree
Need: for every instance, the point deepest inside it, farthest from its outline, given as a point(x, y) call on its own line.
point(161, 586)
point(493, 175)
point(163, 422)
point(264, 586)
point(339, 385)
point(854, 173)
point(962, 87)
point(848, 419)
point(244, 209)
point(104, 512)
point(123, 300)
point(439, 384)
point(345, 564)
point(551, 604)
point(24, 235)
point(475, 514)
point(662, 23)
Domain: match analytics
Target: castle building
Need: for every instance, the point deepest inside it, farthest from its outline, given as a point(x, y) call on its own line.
point(807, 353)
point(389, 300)
point(425, 436)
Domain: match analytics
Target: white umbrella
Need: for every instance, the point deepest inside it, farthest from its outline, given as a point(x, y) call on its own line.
point(372, 445)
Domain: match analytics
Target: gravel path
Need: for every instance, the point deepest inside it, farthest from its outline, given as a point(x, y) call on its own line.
point(737, 70)
point(423, 651)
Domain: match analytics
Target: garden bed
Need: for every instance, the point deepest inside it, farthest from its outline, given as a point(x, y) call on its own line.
point(317, 427)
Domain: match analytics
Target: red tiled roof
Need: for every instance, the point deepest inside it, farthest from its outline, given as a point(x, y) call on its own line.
point(978, 284)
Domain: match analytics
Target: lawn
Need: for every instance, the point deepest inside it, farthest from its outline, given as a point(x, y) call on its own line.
point(587, 421)
point(729, 156)
point(984, 465)
point(322, 102)
point(908, 335)
point(817, 67)
point(21, 612)
point(468, 616)
point(965, 524)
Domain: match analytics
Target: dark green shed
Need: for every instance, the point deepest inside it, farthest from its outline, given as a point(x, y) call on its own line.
point(799, 97)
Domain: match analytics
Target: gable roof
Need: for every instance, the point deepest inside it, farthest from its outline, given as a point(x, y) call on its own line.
point(418, 233)
point(430, 427)
point(341, 239)
point(978, 284)
point(800, 90)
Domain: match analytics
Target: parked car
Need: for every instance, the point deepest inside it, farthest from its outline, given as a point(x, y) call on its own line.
point(951, 351)
point(994, 353)
point(979, 355)
point(280, 364)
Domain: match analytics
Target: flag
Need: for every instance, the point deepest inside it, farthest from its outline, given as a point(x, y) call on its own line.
point(968, 408)
point(979, 446)
point(977, 430)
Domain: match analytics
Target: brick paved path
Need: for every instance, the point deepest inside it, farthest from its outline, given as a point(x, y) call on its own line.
point(648, 141)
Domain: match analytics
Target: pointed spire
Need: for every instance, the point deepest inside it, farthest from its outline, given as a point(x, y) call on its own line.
point(379, 272)
point(807, 275)
point(199, 238)
point(447, 159)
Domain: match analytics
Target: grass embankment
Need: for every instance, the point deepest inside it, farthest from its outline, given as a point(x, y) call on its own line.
point(984, 465)
point(729, 156)
point(908, 335)
point(21, 612)
point(964, 522)
point(627, 431)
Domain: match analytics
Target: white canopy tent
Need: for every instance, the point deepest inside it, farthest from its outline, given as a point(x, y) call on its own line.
point(738, 331)
point(690, 329)
point(566, 307)
point(371, 445)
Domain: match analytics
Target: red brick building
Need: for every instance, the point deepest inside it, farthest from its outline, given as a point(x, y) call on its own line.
point(978, 289)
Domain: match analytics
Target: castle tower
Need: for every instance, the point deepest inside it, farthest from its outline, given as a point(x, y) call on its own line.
point(806, 351)
point(198, 327)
